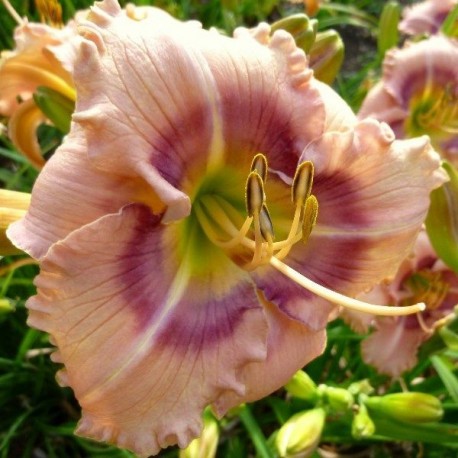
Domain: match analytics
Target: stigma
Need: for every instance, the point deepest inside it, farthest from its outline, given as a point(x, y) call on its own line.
point(225, 228)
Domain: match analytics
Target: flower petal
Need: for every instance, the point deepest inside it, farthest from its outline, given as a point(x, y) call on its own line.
point(68, 194)
point(206, 100)
point(368, 217)
point(145, 348)
point(22, 129)
point(290, 346)
point(36, 62)
point(425, 17)
point(392, 347)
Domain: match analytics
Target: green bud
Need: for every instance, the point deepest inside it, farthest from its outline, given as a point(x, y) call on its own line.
point(326, 56)
point(388, 35)
point(301, 433)
point(6, 306)
point(301, 27)
point(362, 425)
point(410, 407)
point(55, 106)
point(302, 386)
point(339, 399)
point(204, 446)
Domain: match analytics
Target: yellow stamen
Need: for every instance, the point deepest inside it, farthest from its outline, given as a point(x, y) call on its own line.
point(220, 218)
point(50, 12)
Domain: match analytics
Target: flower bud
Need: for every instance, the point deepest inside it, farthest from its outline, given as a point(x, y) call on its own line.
point(410, 407)
point(204, 446)
point(13, 206)
point(339, 399)
point(326, 55)
point(362, 425)
point(388, 35)
point(303, 387)
point(301, 433)
point(301, 27)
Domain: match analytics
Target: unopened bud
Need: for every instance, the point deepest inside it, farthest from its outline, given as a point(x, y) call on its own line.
point(13, 206)
point(303, 387)
point(301, 27)
point(301, 433)
point(362, 425)
point(204, 446)
point(388, 35)
point(6, 306)
point(326, 56)
point(339, 399)
point(410, 407)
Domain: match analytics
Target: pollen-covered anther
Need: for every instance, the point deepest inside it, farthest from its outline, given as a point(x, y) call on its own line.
point(302, 183)
point(310, 217)
point(254, 194)
point(259, 164)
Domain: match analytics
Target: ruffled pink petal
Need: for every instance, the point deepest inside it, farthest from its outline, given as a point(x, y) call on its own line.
point(158, 88)
point(68, 194)
point(368, 216)
point(392, 347)
point(425, 17)
point(379, 104)
point(410, 70)
point(289, 346)
point(146, 348)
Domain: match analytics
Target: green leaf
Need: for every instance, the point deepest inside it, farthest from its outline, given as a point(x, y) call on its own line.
point(442, 219)
point(55, 106)
point(447, 376)
point(450, 25)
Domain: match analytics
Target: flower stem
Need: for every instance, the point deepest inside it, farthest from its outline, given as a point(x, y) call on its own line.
point(255, 432)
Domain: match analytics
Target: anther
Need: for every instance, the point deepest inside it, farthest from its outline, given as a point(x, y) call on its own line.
point(267, 228)
point(254, 193)
point(302, 183)
point(259, 164)
point(310, 217)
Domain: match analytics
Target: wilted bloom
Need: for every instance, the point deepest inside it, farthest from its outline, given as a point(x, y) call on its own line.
point(425, 17)
point(418, 93)
point(163, 284)
point(300, 435)
point(43, 57)
point(411, 407)
point(392, 347)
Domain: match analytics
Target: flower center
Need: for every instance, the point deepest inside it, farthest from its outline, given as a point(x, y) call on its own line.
point(250, 241)
point(434, 112)
point(428, 287)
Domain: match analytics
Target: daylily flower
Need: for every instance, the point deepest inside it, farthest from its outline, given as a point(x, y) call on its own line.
point(392, 347)
point(43, 57)
point(418, 93)
point(161, 282)
point(425, 17)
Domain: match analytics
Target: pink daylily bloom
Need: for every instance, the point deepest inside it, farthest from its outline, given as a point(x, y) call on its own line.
point(43, 56)
point(393, 345)
point(425, 17)
point(161, 294)
point(418, 93)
